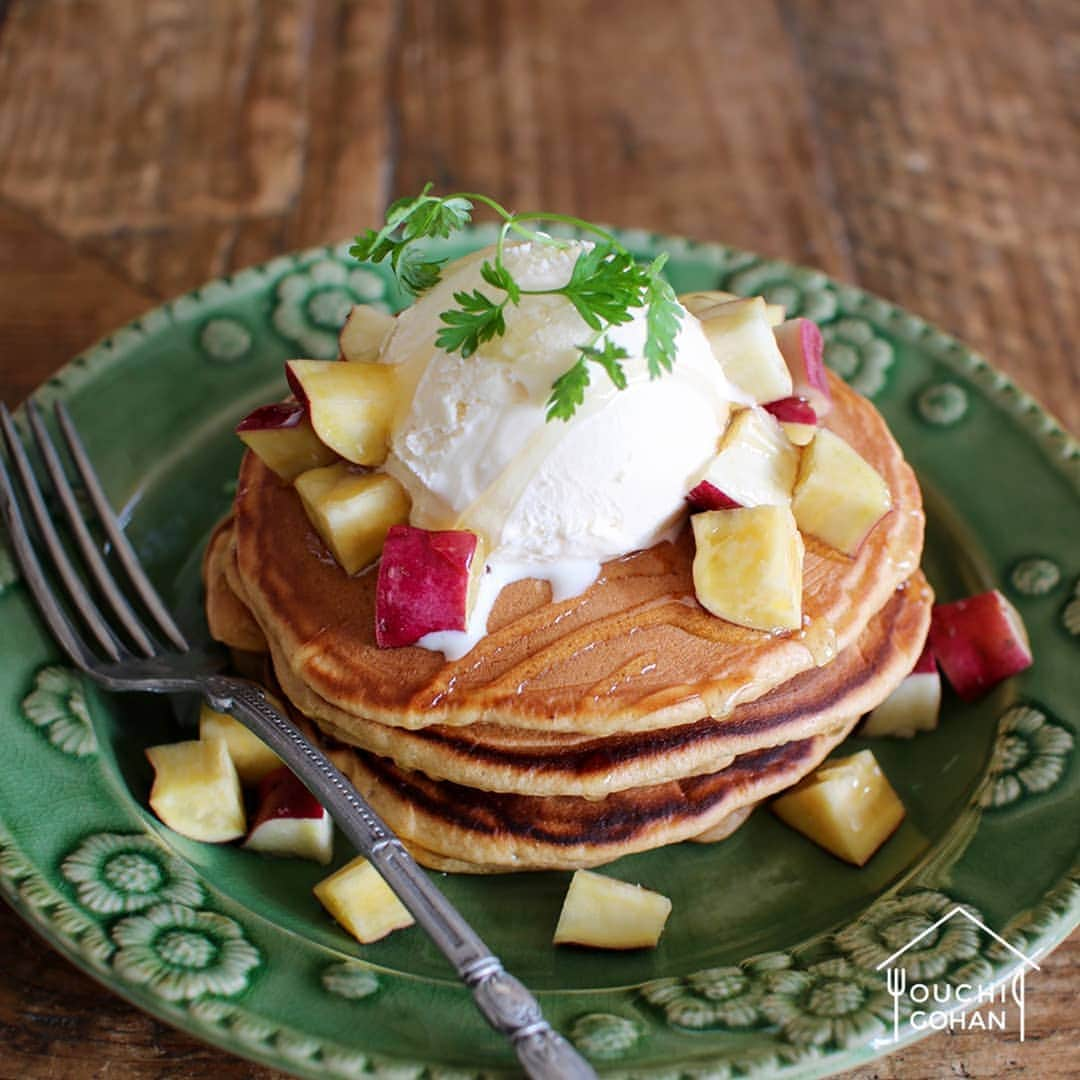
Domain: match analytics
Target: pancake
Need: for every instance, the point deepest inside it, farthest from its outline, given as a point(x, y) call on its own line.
point(567, 763)
point(564, 763)
point(634, 652)
point(725, 826)
point(228, 617)
point(448, 864)
point(447, 826)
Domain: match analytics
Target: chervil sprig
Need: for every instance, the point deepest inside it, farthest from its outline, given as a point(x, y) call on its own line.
point(568, 390)
point(407, 221)
point(663, 314)
point(477, 320)
point(606, 286)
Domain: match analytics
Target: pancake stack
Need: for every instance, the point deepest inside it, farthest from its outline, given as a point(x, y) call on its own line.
point(575, 732)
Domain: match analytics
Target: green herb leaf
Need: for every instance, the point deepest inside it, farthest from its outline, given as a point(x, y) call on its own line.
point(437, 218)
point(407, 221)
point(371, 246)
point(605, 284)
point(568, 392)
point(477, 320)
point(608, 358)
point(415, 272)
point(501, 278)
point(663, 315)
point(400, 209)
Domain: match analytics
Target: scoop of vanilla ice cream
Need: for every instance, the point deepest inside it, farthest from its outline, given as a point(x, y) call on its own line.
point(472, 445)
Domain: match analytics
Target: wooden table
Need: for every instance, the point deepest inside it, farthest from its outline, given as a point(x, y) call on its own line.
point(924, 149)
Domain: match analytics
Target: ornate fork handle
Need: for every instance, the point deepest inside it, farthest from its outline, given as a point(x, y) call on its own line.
point(502, 999)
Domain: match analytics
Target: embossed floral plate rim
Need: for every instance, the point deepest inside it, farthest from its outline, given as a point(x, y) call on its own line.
point(119, 903)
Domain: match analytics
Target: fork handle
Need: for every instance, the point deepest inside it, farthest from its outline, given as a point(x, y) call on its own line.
point(502, 1000)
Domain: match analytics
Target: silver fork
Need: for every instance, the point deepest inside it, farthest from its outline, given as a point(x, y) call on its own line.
point(124, 654)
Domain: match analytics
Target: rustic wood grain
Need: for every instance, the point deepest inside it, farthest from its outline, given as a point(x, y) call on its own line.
point(927, 151)
point(55, 299)
point(950, 135)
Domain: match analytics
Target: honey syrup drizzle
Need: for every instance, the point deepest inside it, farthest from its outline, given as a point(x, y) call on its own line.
point(636, 667)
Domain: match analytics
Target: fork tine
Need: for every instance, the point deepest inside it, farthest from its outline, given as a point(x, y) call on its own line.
point(93, 558)
point(75, 588)
point(124, 551)
point(48, 605)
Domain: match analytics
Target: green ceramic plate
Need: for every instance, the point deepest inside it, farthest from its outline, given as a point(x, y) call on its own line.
point(768, 963)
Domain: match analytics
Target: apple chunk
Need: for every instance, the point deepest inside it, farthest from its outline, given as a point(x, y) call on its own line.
point(358, 898)
point(748, 566)
point(352, 511)
point(979, 642)
point(913, 706)
point(755, 466)
point(803, 349)
point(846, 805)
point(196, 791)
point(427, 582)
point(251, 756)
point(351, 405)
point(364, 332)
point(610, 914)
point(282, 437)
point(839, 497)
point(290, 821)
point(742, 341)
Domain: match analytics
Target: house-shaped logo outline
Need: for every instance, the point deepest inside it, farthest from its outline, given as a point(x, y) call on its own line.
point(958, 910)
point(1019, 974)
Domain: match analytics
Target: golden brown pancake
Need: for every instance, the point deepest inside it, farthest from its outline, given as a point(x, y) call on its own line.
point(565, 763)
point(634, 652)
point(452, 827)
point(228, 617)
point(725, 826)
point(447, 864)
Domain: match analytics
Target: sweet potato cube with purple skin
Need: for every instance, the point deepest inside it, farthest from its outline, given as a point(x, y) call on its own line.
point(290, 821)
point(426, 583)
point(741, 337)
point(839, 496)
point(604, 913)
point(351, 405)
point(846, 805)
point(803, 349)
point(792, 410)
point(912, 707)
point(196, 790)
point(748, 566)
point(797, 418)
point(706, 496)
point(702, 303)
point(364, 333)
point(755, 466)
point(361, 901)
point(252, 758)
point(282, 437)
point(979, 642)
point(352, 511)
